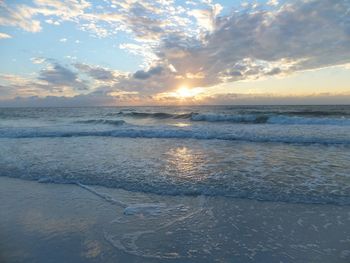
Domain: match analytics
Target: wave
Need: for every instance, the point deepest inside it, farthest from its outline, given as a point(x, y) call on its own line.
point(308, 113)
point(230, 118)
point(270, 119)
point(163, 133)
point(308, 121)
point(318, 113)
point(257, 191)
point(156, 115)
point(102, 121)
point(193, 116)
point(291, 118)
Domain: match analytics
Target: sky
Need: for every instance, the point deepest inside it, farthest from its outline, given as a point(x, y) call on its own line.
point(174, 52)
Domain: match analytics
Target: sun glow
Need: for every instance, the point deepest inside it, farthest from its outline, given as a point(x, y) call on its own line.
point(184, 92)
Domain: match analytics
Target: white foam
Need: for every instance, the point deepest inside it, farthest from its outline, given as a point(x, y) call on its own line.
point(305, 136)
point(271, 119)
point(128, 242)
point(148, 209)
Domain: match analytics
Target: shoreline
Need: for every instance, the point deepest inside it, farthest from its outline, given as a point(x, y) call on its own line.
point(55, 223)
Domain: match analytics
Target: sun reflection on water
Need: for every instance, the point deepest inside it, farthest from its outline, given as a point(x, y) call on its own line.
point(181, 124)
point(185, 163)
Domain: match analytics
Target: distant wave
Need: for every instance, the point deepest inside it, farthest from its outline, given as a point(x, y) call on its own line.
point(292, 118)
point(273, 119)
point(156, 115)
point(307, 113)
point(308, 121)
point(230, 118)
point(199, 134)
point(102, 121)
point(318, 113)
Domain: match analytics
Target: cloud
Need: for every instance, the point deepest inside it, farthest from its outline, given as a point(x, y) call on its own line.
point(206, 17)
point(144, 50)
point(98, 73)
point(273, 2)
point(299, 36)
point(192, 44)
point(53, 80)
point(253, 44)
point(147, 19)
point(26, 16)
point(14, 85)
point(20, 16)
point(38, 60)
point(125, 99)
point(59, 101)
point(4, 36)
point(273, 99)
point(6, 92)
point(57, 75)
point(52, 22)
point(141, 74)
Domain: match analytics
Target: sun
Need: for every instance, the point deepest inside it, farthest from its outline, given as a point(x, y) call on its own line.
point(185, 92)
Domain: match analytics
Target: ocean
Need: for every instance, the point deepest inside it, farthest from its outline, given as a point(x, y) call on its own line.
point(277, 153)
point(286, 155)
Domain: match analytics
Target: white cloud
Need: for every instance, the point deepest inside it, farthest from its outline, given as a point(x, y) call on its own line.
point(99, 73)
point(206, 17)
point(248, 45)
point(38, 60)
point(4, 36)
point(21, 16)
point(52, 22)
point(273, 2)
point(25, 16)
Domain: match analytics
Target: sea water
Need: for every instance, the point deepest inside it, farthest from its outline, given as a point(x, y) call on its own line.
point(284, 155)
point(274, 153)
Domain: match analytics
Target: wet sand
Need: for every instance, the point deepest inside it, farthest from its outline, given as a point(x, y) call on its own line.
point(70, 223)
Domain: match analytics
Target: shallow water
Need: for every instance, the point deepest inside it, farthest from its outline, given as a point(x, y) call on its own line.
point(55, 223)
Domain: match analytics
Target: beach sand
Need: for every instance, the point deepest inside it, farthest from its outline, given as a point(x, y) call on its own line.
point(70, 223)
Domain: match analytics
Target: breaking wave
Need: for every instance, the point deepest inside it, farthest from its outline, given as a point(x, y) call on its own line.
point(102, 121)
point(156, 115)
point(291, 193)
point(230, 118)
point(166, 133)
point(292, 118)
point(273, 119)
